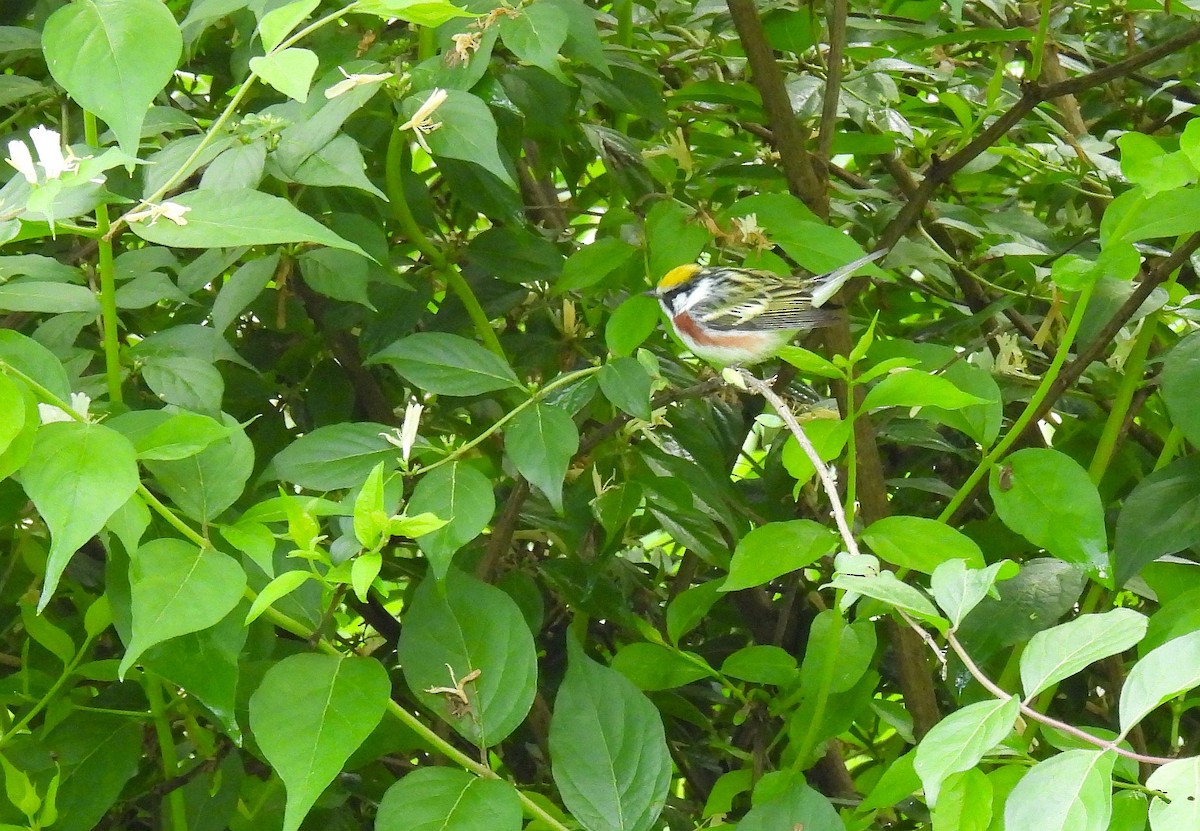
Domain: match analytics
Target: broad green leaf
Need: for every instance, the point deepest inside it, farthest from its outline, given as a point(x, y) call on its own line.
point(795, 807)
point(289, 70)
point(470, 626)
point(828, 437)
point(674, 237)
point(39, 628)
point(535, 34)
point(920, 544)
point(960, 740)
point(241, 289)
point(191, 383)
point(592, 263)
point(1180, 377)
point(1134, 216)
point(97, 753)
point(652, 667)
point(541, 442)
point(335, 457)
point(885, 587)
point(1068, 792)
point(838, 654)
point(363, 572)
point(309, 714)
point(1179, 805)
point(1160, 675)
point(608, 750)
point(625, 382)
point(371, 520)
point(690, 607)
point(227, 218)
point(163, 435)
point(777, 548)
point(430, 13)
point(1160, 516)
point(1058, 653)
point(177, 588)
point(1046, 497)
point(279, 587)
point(39, 363)
point(113, 57)
point(459, 494)
point(959, 589)
point(809, 363)
point(276, 24)
point(447, 799)
point(467, 132)
point(630, 324)
point(915, 388)
point(898, 782)
point(761, 664)
point(447, 364)
point(205, 484)
point(14, 411)
point(1145, 163)
point(51, 298)
point(78, 475)
point(964, 802)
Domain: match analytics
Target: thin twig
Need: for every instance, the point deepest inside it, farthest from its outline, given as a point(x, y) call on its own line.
point(836, 15)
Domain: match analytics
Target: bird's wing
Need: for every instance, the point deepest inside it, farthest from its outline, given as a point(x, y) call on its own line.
point(769, 302)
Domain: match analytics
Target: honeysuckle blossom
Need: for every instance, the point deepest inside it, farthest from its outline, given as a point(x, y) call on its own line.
point(406, 436)
point(166, 210)
point(81, 402)
point(354, 80)
point(465, 43)
point(47, 145)
point(420, 122)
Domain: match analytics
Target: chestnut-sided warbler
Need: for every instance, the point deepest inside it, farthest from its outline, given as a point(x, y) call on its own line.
point(737, 316)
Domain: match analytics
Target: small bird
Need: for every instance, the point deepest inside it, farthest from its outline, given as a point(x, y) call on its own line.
point(736, 316)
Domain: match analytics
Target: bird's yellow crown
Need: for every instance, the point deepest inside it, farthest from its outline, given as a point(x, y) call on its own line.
point(678, 275)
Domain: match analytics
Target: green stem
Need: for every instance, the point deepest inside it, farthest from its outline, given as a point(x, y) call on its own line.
point(426, 43)
point(623, 10)
point(402, 213)
point(166, 749)
point(1038, 48)
point(1132, 379)
point(851, 448)
point(50, 694)
point(1031, 410)
point(1170, 448)
point(108, 281)
point(458, 453)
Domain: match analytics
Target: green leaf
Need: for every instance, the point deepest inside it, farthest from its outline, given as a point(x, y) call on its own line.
point(276, 24)
point(535, 34)
point(241, 289)
point(1046, 497)
point(625, 382)
point(445, 799)
point(1068, 792)
point(965, 802)
point(960, 740)
point(460, 494)
point(652, 667)
point(113, 57)
point(920, 544)
point(1134, 216)
point(363, 572)
point(77, 476)
point(887, 588)
point(289, 70)
point(14, 411)
point(796, 806)
point(191, 383)
point(828, 437)
point(97, 754)
point(838, 654)
point(1145, 163)
point(1160, 516)
point(205, 484)
point(36, 361)
point(39, 628)
point(470, 626)
point(279, 587)
point(761, 664)
point(1180, 379)
point(809, 363)
point(1179, 805)
point(309, 714)
point(430, 13)
point(19, 789)
point(227, 218)
point(177, 588)
point(446, 364)
point(371, 520)
point(1160, 675)
point(467, 132)
point(162, 435)
point(690, 607)
point(958, 589)
point(915, 388)
point(50, 298)
point(335, 457)
point(592, 263)
point(608, 751)
point(777, 548)
point(541, 441)
point(1058, 653)
point(673, 237)
point(630, 324)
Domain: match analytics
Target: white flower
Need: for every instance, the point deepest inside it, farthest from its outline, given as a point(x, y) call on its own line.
point(48, 146)
point(420, 123)
point(81, 402)
point(354, 80)
point(1010, 360)
point(20, 158)
point(167, 210)
point(406, 436)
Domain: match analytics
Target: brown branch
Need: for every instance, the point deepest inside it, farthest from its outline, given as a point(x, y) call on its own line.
point(798, 168)
point(835, 13)
point(1033, 95)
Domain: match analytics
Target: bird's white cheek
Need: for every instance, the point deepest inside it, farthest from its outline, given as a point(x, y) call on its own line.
point(693, 298)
